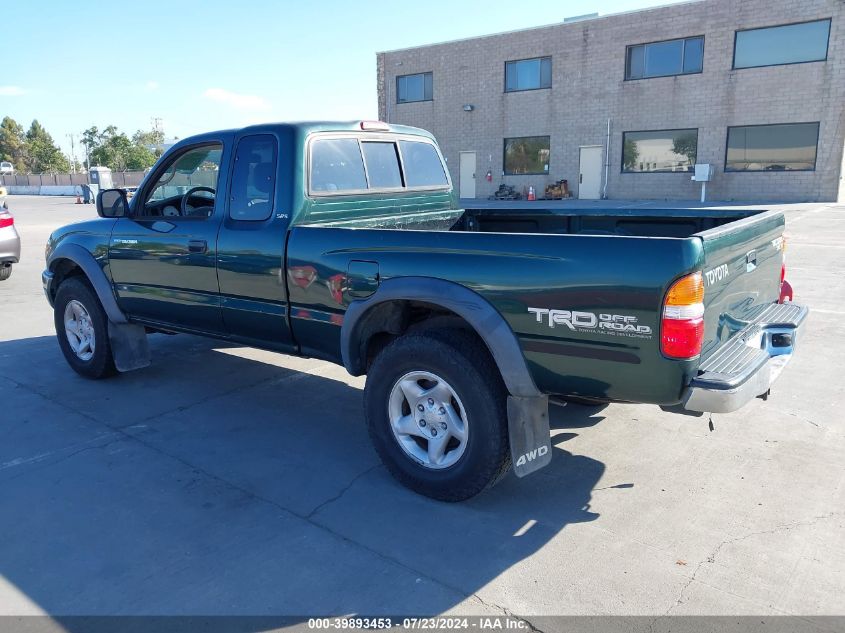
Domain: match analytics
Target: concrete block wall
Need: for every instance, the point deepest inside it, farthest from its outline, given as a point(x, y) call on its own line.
point(588, 88)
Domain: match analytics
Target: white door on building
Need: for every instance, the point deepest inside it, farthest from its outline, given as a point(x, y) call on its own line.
point(589, 173)
point(467, 175)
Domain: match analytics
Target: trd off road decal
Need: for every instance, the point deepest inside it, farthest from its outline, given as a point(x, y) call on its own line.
point(603, 323)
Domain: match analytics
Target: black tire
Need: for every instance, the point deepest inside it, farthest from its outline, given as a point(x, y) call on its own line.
point(5, 272)
point(101, 364)
point(459, 358)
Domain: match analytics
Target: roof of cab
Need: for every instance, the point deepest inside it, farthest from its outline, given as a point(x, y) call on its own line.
point(310, 127)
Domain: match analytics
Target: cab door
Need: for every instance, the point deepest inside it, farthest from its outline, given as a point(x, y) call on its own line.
point(251, 244)
point(163, 257)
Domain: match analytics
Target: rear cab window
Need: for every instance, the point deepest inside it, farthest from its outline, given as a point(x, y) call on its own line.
point(356, 164)
point(423, 167)
point(382, 165)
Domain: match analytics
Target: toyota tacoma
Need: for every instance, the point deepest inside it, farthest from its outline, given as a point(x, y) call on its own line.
point(345, 242)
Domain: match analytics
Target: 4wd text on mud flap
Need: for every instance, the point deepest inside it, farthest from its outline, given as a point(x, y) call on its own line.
point(532, 455)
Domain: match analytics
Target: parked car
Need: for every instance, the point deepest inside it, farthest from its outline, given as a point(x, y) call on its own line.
point(6, 168)
point(342, 241)
point(10, 241)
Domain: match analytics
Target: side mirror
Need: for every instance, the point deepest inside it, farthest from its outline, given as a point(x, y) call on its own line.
point(112, 203)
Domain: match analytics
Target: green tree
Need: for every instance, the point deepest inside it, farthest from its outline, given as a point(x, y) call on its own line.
point(90, 141)
point(686, 145)
point(630, 154)
point(139, 157)
point(152, 140)
point(13, 143)
point(43, 154)
point(113, 149)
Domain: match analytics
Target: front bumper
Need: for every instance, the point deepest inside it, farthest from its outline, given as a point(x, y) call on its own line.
point(47, 282)
point(749, 363)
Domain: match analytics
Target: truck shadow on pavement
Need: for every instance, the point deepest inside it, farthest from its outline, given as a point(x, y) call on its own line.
point(214, 484)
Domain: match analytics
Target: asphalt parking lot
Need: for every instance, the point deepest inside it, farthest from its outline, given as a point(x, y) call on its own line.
point(226, 480)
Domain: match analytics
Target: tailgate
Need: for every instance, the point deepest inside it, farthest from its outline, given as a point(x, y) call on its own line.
point(742, 268)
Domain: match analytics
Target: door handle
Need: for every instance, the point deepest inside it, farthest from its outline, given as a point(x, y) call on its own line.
point(197, 246)
point(580, 178)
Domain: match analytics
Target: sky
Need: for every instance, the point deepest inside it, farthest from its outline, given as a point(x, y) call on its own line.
point(201, 65)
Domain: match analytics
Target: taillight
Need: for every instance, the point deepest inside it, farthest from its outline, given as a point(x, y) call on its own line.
point(682, 326)
point(785, 287)
point(6, 219)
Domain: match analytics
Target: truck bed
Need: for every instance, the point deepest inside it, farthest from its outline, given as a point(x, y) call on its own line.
point(624, 222)
point(617, 262)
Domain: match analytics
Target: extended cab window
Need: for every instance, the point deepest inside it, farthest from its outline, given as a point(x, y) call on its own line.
point(423, 167)
point(188, 185)
point(253, 178)
point(336, 165)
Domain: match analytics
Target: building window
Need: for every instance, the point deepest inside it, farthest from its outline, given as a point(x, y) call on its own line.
point(659, 150)
point(662, 59)
point(527, 155)
point(419, 87)
point(783, 147)
point(528, 74)
point(788, 44)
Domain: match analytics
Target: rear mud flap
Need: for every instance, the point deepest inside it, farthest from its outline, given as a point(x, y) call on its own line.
point(530, 436)
point(129, 346)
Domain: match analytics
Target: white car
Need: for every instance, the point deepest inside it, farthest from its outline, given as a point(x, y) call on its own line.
point(10, 242)
point(7, 168)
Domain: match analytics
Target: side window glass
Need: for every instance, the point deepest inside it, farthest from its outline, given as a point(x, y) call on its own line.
point(336, 165)
point(423, 167)
point(254, 178)
point(188, 186)
point(382, 165)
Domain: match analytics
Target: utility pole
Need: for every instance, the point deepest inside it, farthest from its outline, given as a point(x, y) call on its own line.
point(72, 154)
point(156, 123)
point(87, 158)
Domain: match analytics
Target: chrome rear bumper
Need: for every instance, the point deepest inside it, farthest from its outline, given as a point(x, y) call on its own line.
point(749, 363)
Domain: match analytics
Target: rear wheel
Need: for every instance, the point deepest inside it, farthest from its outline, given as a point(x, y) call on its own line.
point(5, 271)
point(436, 410)
point(82, 329)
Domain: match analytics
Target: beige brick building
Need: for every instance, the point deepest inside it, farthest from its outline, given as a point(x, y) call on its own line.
point(755, 88)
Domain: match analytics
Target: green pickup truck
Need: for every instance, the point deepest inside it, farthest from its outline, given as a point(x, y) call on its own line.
point(344, 241)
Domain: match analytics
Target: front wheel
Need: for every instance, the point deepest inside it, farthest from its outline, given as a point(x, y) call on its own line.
point(5, 271)
point(436, 410)
point(82, 330)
